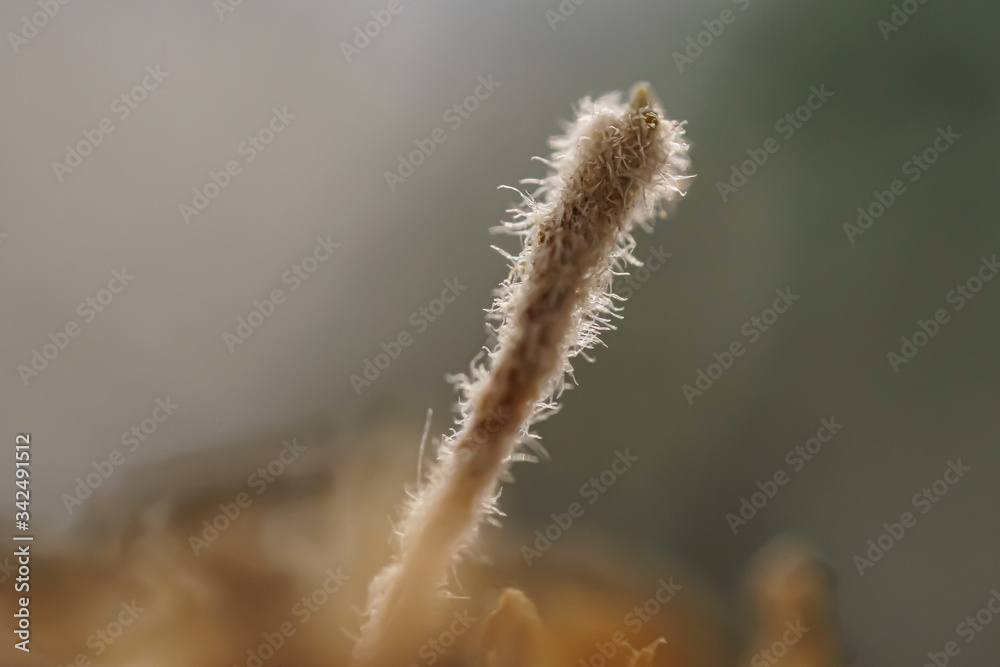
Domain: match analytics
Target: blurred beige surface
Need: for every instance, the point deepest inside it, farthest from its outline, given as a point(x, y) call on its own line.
point(198, 582)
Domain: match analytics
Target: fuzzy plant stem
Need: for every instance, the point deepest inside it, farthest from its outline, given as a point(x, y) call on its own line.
point(613, 169)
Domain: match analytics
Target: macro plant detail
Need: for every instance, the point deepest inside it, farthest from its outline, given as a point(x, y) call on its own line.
point(615, 168)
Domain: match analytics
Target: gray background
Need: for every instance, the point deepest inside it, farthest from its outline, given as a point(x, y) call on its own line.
point(324, 176)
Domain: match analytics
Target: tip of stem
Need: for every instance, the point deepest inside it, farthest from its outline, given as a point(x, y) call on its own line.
point(641, 95)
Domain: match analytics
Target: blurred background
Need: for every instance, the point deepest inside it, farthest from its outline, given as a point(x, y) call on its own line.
point(177, 163)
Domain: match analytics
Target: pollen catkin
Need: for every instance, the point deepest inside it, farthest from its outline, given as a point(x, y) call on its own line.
point(616, 166)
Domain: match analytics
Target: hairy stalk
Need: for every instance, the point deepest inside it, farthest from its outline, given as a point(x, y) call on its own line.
point(614, 168)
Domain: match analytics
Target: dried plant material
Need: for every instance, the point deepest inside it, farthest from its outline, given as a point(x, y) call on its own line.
point(514, 635)
point(219, 609)
point(793, 607)
point(644, 658)
point(278, 585)
point(616, 166)
point(602, 604)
